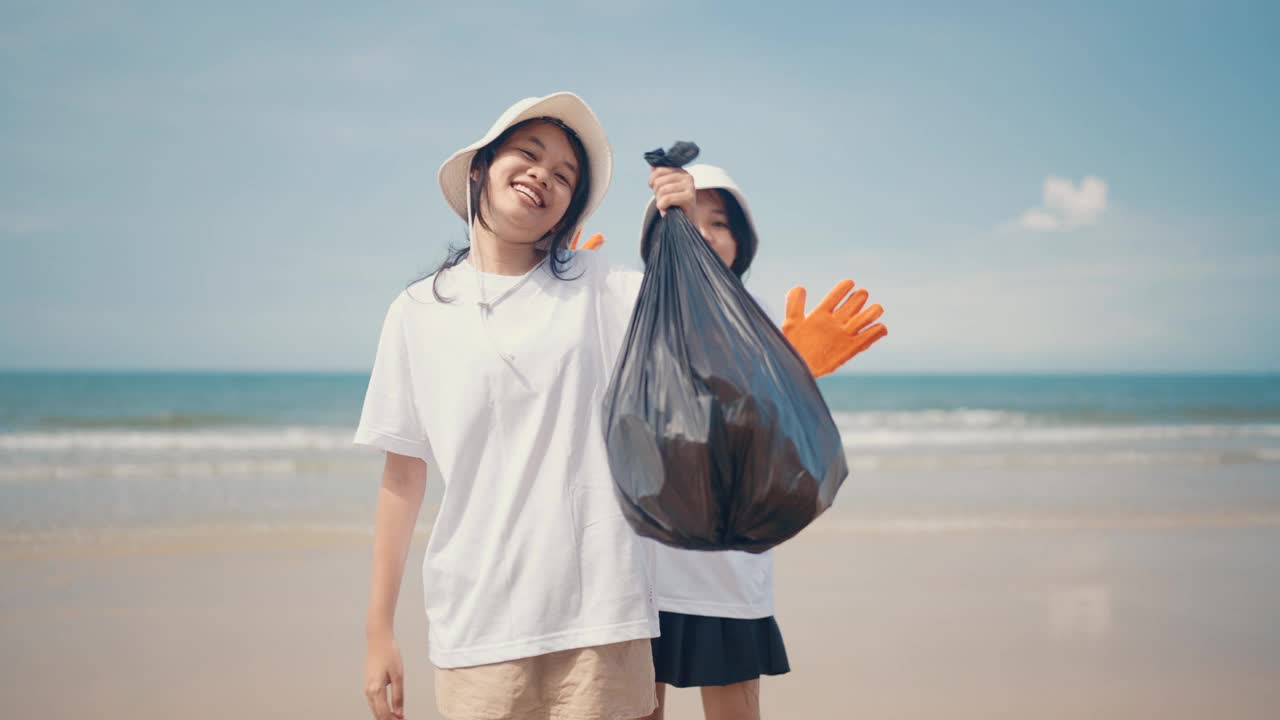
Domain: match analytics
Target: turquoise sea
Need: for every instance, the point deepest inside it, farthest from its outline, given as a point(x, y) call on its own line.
point(88, 452)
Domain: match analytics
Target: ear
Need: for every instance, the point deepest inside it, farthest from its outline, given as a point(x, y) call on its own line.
point(475, 174)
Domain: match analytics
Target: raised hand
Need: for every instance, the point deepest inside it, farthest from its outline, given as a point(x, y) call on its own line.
point(835, 331)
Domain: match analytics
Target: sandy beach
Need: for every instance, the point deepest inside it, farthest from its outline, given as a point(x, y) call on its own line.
point(881, 622)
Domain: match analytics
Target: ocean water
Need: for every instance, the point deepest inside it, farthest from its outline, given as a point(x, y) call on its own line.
point(86, 452)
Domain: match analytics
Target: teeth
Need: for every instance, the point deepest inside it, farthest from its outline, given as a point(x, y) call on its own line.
point(529, 193)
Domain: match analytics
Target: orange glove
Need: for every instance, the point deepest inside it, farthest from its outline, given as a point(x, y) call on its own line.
point(592, 242)
point(831, 335)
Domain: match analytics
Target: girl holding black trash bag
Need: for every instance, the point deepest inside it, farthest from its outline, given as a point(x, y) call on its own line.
point(538, 593)
point(716, 608)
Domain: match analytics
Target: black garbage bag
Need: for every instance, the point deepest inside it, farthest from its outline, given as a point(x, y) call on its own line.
point(718, 438)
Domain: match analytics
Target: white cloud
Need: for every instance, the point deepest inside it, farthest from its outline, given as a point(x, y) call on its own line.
point(1040, 220)
point(1066, 206)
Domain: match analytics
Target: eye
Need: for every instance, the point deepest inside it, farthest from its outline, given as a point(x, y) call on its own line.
point(562, 178)
point(527, 154)
point(720, 224)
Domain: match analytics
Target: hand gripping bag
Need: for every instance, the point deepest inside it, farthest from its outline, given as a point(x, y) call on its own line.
point(718, 438)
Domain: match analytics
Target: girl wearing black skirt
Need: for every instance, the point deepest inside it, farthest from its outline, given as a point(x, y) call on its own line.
point(716, 608)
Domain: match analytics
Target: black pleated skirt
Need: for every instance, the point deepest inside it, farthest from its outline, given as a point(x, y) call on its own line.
point(697, 651)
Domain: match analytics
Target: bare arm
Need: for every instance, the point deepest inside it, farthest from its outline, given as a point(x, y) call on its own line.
point(404, 481)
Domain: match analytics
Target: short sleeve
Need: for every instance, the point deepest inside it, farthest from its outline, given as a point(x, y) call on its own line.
point(624, 285)
point(619, 288)
point(389, 420)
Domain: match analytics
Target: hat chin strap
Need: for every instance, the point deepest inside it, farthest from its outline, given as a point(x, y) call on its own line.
point(483, 305)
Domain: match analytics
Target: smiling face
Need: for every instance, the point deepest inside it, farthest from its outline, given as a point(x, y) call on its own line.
point(531, 182)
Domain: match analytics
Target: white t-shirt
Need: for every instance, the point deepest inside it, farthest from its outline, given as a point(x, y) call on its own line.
point(719, 583)
point(530, 553)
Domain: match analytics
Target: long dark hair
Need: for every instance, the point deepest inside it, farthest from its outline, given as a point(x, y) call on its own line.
point(559, 235)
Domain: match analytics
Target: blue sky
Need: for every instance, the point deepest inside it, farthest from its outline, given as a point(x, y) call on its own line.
point(226, 185)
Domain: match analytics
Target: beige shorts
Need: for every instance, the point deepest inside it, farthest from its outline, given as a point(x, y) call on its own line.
point(605, 682)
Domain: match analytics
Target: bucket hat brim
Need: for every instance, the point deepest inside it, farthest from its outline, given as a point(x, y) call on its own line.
point(563, 106)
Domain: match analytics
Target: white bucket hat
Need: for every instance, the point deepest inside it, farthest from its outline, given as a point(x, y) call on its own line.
point(710, 177)
point(563, 106)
